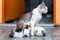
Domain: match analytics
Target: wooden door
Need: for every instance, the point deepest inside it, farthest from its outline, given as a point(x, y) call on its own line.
point(14, 9)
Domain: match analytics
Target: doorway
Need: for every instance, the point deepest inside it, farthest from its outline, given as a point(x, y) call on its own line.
point(46, 18)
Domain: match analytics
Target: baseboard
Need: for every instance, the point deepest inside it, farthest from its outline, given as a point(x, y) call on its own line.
point(16, 24)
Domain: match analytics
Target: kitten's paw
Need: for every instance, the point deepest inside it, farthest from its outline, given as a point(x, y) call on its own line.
point(32, 34)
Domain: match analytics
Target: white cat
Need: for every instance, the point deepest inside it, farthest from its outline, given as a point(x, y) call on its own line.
point(37, 15)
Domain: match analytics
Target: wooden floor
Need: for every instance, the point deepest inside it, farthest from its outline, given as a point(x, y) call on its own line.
point(52, 34)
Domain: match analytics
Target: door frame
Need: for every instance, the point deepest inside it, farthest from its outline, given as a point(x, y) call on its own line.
point(54, 14)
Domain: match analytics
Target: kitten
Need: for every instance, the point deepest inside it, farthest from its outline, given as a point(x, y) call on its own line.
point(39, 31)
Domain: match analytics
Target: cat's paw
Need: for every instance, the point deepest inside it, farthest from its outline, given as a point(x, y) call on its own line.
point(32, 34)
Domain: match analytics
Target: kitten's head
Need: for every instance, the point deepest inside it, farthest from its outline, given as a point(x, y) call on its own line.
point(42, 8)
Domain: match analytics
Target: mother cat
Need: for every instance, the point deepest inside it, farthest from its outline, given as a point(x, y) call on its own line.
point(33, 19)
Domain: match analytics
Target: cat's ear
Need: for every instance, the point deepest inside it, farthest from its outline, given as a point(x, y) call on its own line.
point(42, 4)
